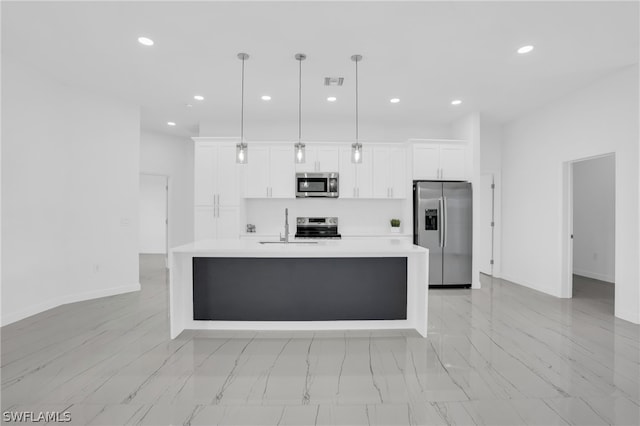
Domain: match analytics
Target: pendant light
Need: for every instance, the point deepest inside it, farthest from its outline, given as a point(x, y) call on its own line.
point(356, 148)
point(242, 150)
point(299, 148)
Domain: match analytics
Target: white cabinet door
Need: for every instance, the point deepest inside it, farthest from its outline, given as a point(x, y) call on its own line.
point(282, 173)
point(227, 176)
point(257, 172)
point(324, 159)
point(381, 172)
point(356, 180)
point(228, 225)
point(205, 159)
point(204, 223)
point(426, 162)
point(364, 174)
point(399, 179)
point(390, 177)
point(347, 177)
point(327, 159)
point(453, 162)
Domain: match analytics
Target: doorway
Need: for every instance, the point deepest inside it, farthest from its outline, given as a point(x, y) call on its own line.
point(590, 273)
point(154, 215)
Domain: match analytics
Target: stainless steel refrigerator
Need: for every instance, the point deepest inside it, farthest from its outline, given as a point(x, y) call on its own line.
point(442, 223)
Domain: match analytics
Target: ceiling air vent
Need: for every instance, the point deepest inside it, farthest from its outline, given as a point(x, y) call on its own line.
point(333, 81)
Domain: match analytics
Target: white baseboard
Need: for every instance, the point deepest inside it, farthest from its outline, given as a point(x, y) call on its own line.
point(594, 275)
point(547, 290)
point(71, 298)
point(632, 317)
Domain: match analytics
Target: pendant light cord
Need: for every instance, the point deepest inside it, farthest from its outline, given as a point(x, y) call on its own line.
point(242, 106)
point(356, 101)
point(300, 102)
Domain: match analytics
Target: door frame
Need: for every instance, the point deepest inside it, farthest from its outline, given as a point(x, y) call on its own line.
point(496, 213)
point(566, 231)
point(167, 180)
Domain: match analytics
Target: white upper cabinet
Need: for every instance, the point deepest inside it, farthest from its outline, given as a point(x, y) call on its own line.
point(216, 195)
point(390, 178)
point(282, 173)
point(440, 161)
point(205, 176)
point(216, 174)
point(320, 158)
point(453, 162)
point(356, 180)
point(270, 172)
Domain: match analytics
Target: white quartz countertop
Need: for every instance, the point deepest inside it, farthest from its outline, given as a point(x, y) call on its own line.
point(329, 248)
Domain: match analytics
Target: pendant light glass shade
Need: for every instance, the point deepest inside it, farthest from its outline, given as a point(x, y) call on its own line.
point(356, 153)
point(356, 148)
point(300, 153)
point(242, 149)
point(299, 148)
point(242, 153)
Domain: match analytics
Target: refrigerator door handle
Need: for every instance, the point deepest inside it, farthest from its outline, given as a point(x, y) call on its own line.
point(440, 224)
point(445, 215)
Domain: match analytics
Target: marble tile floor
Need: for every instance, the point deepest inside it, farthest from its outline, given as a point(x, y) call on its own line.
point(502, 355)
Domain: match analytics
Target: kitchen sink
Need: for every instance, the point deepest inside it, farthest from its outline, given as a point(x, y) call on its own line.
point(290, 242)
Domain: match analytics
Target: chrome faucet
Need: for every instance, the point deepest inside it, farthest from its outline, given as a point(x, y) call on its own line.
point(286, 227)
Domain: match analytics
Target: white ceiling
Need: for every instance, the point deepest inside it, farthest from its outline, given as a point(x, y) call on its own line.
point(425, 53)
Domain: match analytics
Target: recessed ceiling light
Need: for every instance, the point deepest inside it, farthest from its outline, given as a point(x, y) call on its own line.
point(145, 41)
point(332, 99)
point(266, 98)
point(188, 105)
point(525, 49)
point(170, 123)
point(198, 98)
point(394, 100)
point(456, 102)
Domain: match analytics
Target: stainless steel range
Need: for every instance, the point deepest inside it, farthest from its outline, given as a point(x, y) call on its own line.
point(317, 227)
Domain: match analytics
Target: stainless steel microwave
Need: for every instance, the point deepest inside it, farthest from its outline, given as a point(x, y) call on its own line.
point(317, 185)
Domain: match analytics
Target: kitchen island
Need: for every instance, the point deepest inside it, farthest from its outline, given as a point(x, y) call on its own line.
point(301, 285)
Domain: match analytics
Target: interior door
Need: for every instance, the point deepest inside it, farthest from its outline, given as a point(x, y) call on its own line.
point(457, 233)
point(428, 205)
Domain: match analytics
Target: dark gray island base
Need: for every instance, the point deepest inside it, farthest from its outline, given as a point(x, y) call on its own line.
point(299, 289)
point(359, 284)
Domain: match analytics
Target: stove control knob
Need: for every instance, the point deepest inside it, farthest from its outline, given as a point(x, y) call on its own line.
point(301, 221)
point(333, 220)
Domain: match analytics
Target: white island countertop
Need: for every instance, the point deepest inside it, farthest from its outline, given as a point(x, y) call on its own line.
point(242, 251)
point(300, 248)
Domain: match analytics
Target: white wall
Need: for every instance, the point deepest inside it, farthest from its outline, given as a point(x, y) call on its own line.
point(594, 218)
point(173, 157)
point(356, 216)
point(328, 131)
point(153, 214)
point(601, 118)
point(70, 193)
